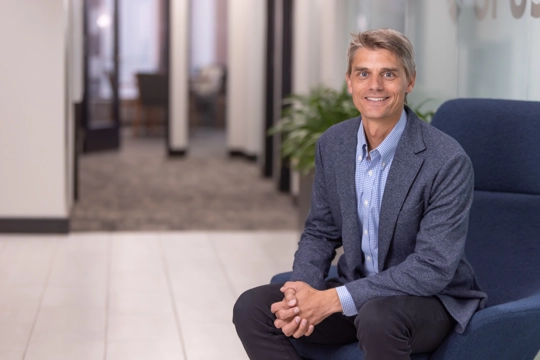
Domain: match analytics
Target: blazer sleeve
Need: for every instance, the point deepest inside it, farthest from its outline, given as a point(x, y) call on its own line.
point(320, 237)
point(440, 241)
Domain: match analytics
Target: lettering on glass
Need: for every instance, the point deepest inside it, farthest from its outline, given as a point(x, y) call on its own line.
point(518, 10)
point(481, 11)
point(535, 10)
point(481, 8)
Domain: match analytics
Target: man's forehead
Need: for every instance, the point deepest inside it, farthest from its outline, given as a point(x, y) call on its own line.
point(380, 58)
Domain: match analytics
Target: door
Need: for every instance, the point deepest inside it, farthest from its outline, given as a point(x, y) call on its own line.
point(101, 111)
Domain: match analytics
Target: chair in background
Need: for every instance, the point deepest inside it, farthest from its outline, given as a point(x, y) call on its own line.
point(502, 138)
point(153, 99)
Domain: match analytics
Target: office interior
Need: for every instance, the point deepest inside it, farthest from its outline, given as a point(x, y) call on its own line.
point(70, 97)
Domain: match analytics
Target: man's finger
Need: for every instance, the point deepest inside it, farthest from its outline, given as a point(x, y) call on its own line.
point(278, 323)
point(301, 330)
point(286, 314)
point(278, 306)
point(290, 297)
point(289, 328)
point(310, 330)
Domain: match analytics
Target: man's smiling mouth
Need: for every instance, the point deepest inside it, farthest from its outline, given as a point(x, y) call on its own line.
point(376, 98)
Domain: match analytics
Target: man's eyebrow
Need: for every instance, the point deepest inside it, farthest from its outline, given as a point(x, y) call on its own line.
point(358, 68)
point(389, 69)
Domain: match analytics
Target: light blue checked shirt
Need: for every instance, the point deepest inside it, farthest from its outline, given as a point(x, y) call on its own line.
point(370, 178)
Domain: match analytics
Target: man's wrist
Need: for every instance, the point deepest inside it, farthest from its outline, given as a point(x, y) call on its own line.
point(333, 302)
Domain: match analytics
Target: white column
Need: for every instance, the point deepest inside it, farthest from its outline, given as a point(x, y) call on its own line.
point(245, 77)
point(33, 109)
point(332, 42)
point(178, 87)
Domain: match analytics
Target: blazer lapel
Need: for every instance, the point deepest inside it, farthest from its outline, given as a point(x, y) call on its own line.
point(403, 171)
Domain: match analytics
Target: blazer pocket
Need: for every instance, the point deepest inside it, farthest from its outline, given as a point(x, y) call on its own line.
point(409, 214)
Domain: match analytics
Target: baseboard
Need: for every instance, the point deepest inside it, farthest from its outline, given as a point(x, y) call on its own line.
point(177, 153)
point(239, 153)
point(34, 226)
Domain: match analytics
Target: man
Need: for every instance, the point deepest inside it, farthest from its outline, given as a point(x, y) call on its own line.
point(395, 193)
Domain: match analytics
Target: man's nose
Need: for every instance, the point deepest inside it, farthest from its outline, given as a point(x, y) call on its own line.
point(375, 83)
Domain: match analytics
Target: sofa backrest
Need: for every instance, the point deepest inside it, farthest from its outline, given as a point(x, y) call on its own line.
point(502, 138)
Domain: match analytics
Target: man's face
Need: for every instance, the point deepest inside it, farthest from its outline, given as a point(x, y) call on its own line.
point(378, 84)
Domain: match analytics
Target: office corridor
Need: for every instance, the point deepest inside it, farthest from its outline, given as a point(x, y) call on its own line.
point(140, 188)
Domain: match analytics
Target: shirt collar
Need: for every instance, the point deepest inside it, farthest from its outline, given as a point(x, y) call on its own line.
point(388, 147)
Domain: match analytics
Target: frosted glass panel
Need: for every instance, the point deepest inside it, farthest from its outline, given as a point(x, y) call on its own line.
point(533, 35)
point(431, 28)
point(493, 48)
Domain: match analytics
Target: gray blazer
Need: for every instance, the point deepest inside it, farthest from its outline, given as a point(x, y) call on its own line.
point(422, 226)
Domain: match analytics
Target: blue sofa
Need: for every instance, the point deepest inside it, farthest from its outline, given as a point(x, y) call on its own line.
point(502, 138)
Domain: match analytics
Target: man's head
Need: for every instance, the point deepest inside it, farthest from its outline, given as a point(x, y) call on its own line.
point(380, 73)
point(388, 39)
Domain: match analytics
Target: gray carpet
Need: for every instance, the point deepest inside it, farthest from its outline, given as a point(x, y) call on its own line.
point(140, 188)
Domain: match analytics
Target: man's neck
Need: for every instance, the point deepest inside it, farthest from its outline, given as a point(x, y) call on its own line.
point(377, 130)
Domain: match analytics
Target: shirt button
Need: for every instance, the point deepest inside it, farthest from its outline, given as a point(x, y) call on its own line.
point(383, 165)
point(365, 232)
point(366, 203)
point(360, 158)
point(370, 172)
point(368, 258)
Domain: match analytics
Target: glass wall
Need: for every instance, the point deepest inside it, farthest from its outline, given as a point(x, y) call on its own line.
point(467, 48)
point(464, 48)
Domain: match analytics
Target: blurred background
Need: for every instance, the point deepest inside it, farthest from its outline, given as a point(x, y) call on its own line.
point(134, 155)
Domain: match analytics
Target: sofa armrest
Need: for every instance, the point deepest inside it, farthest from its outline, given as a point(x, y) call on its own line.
point(505, 331)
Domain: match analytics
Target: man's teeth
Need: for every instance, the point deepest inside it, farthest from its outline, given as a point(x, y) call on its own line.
point(375, 99)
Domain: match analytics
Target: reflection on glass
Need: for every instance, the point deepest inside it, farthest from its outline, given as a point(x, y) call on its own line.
point(101, 67)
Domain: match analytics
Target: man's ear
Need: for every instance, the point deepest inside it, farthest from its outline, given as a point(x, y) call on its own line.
point(349, 85)
point(412, 81)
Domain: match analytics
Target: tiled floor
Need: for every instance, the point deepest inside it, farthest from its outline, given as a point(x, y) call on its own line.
point(133, 296)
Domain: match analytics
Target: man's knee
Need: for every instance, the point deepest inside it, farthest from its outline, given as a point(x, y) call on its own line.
point(253, 306)
point(379, 317)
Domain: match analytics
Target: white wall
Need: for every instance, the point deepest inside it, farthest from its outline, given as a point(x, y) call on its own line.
point(179, 58)
point(245, 78)
point(32, 109)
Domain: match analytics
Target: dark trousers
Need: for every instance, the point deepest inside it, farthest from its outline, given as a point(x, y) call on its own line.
point(386, 328)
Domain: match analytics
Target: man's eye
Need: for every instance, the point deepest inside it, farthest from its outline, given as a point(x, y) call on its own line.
point(363, 74)
point(388, 75)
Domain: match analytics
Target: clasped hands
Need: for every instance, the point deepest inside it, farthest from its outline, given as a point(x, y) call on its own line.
point(303, 307)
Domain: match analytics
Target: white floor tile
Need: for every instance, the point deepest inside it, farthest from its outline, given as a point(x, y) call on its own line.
point(141, 303)
point(89, 321)
point(65, 346)
point(77, 296)
point(224, 344)
point(11, 355)
point(144, 328)
point(19, 305)
point(137, 282)
point(14, 337)
point(144, 350)
point(76, 292)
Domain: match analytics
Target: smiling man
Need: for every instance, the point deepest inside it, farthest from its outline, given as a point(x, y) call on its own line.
point(395, 193)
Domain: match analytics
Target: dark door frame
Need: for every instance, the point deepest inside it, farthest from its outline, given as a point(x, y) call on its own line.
point(284, 66)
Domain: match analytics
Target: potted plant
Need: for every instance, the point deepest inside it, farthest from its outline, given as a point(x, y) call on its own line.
point(304, 120)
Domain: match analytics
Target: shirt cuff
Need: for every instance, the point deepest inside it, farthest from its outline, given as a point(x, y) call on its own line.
point(347, 302)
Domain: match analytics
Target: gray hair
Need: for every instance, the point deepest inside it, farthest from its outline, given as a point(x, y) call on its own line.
point(388, 39)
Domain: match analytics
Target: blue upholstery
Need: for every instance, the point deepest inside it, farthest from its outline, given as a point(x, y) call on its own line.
point(502, 138)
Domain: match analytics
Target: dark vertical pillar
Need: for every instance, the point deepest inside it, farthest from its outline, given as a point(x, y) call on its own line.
point(269, 97)
point(166, 36)
point(278, 73)
point(286, 80)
